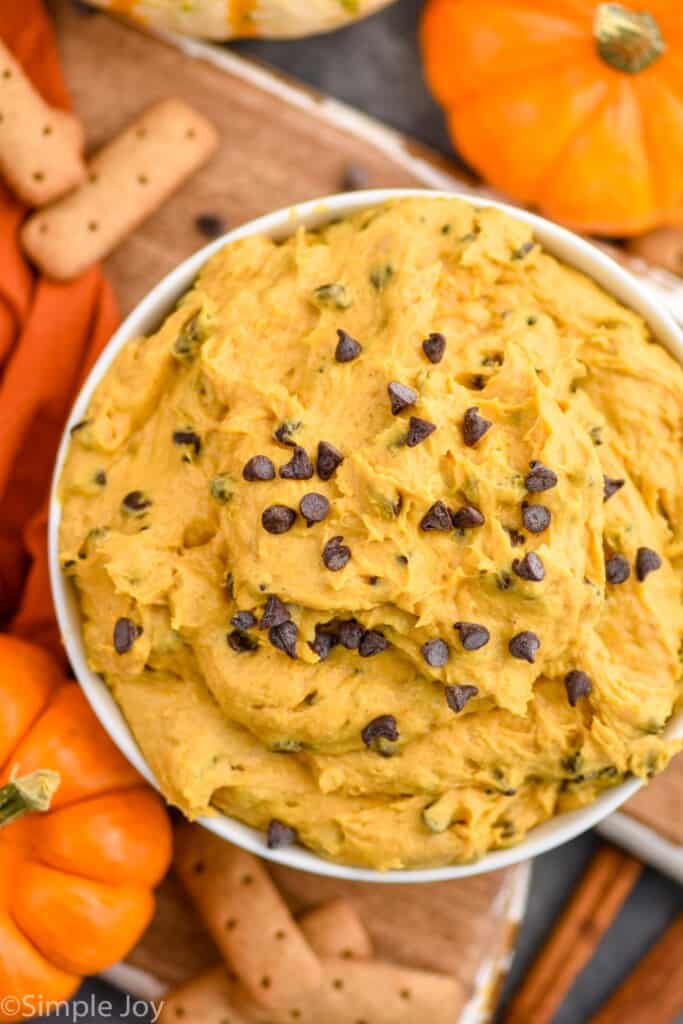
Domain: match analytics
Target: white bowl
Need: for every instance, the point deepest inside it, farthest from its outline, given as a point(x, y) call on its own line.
point(146, 317)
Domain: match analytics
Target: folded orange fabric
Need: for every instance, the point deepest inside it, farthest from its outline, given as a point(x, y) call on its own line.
point(50, 333)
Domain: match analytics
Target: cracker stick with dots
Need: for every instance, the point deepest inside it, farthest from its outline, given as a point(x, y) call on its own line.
point(126, 181)
point(41, 148)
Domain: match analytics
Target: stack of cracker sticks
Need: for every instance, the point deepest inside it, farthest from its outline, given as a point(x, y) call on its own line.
point(86, 208)
point(317, 970)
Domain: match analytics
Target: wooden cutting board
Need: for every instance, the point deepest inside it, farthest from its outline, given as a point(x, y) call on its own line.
point(282, 143)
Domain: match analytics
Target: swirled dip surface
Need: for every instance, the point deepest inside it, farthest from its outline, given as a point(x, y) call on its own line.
point(274, 528)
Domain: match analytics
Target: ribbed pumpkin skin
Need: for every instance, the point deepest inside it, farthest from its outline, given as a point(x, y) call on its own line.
point(543, 115)
point(76, 882)
point(229, 19)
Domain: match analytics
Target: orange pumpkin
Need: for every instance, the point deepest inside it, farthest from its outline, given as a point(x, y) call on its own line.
point(573, 106)
point(75, 882)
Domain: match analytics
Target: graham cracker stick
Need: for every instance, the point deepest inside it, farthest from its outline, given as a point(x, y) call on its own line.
point(127, 180)
point(653, 992)
point(335, 931)
point(40, 147)
point(592, 907)
point(376, 993)
point(206, 999)
point(247, 917)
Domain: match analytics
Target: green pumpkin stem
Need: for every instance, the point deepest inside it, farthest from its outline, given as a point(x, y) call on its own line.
point(30, 793)
point(627, 40)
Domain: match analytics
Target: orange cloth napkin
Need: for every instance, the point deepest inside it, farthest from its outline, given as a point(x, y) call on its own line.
point(50, 333)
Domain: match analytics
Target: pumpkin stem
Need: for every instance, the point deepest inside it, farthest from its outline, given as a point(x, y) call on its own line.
point(627, 40)
point(33, 792)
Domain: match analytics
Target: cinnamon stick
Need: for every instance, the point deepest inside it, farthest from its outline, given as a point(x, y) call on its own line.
point(653, 992)
point(592, 907)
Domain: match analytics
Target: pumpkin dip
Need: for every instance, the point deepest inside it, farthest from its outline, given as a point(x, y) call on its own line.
point(378, 537)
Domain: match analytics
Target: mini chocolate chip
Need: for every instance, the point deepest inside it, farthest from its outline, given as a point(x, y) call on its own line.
point(477, 382)
point(540, 478)
point(474, 426)
point(335, 554)
point(241, 642)
point(610, 486)
point(401, 397)
point(402, 559)
point(467, 517)
point(578, 685)
point(522, 251)
point(516, 538)
point(259, 467)
point(135, 503)
point(434, 347)
point(647, 561)
point(384, 727)
point(457, 696)
point(275, 613)
point(529, 568)
point(437, 517)
point(325, 640)
point(284, 637)
point(284, 432)
point(100, 478)
point(189, 438)
point(328, 461)
point(381, 276)
point(524, 646)
point(347, 348)
point(211, 225)
point(472, 635)
point(418, 431)
point(280, 835)
point(355, 177)
point(314, 508)
point(536, 518)
point(83, 8)
point(617, 569)
point(436, 653)
point(189, 340)
point(278, 518)
point(243, 620)
point(350, 634)
point(492, 359)
point(372, 642)
point(299, 466)
point(125, 635)
point(503, 580)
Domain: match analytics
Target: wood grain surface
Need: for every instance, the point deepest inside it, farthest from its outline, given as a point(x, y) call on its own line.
point(659, 805)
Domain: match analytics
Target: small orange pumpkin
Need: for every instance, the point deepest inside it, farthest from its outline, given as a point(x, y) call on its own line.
point(573, 106)
point(75, 882)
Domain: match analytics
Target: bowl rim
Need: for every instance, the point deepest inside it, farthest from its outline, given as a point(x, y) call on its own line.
point(146, 316)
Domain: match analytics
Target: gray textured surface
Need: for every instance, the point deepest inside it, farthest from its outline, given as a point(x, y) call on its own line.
point(374, 65)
